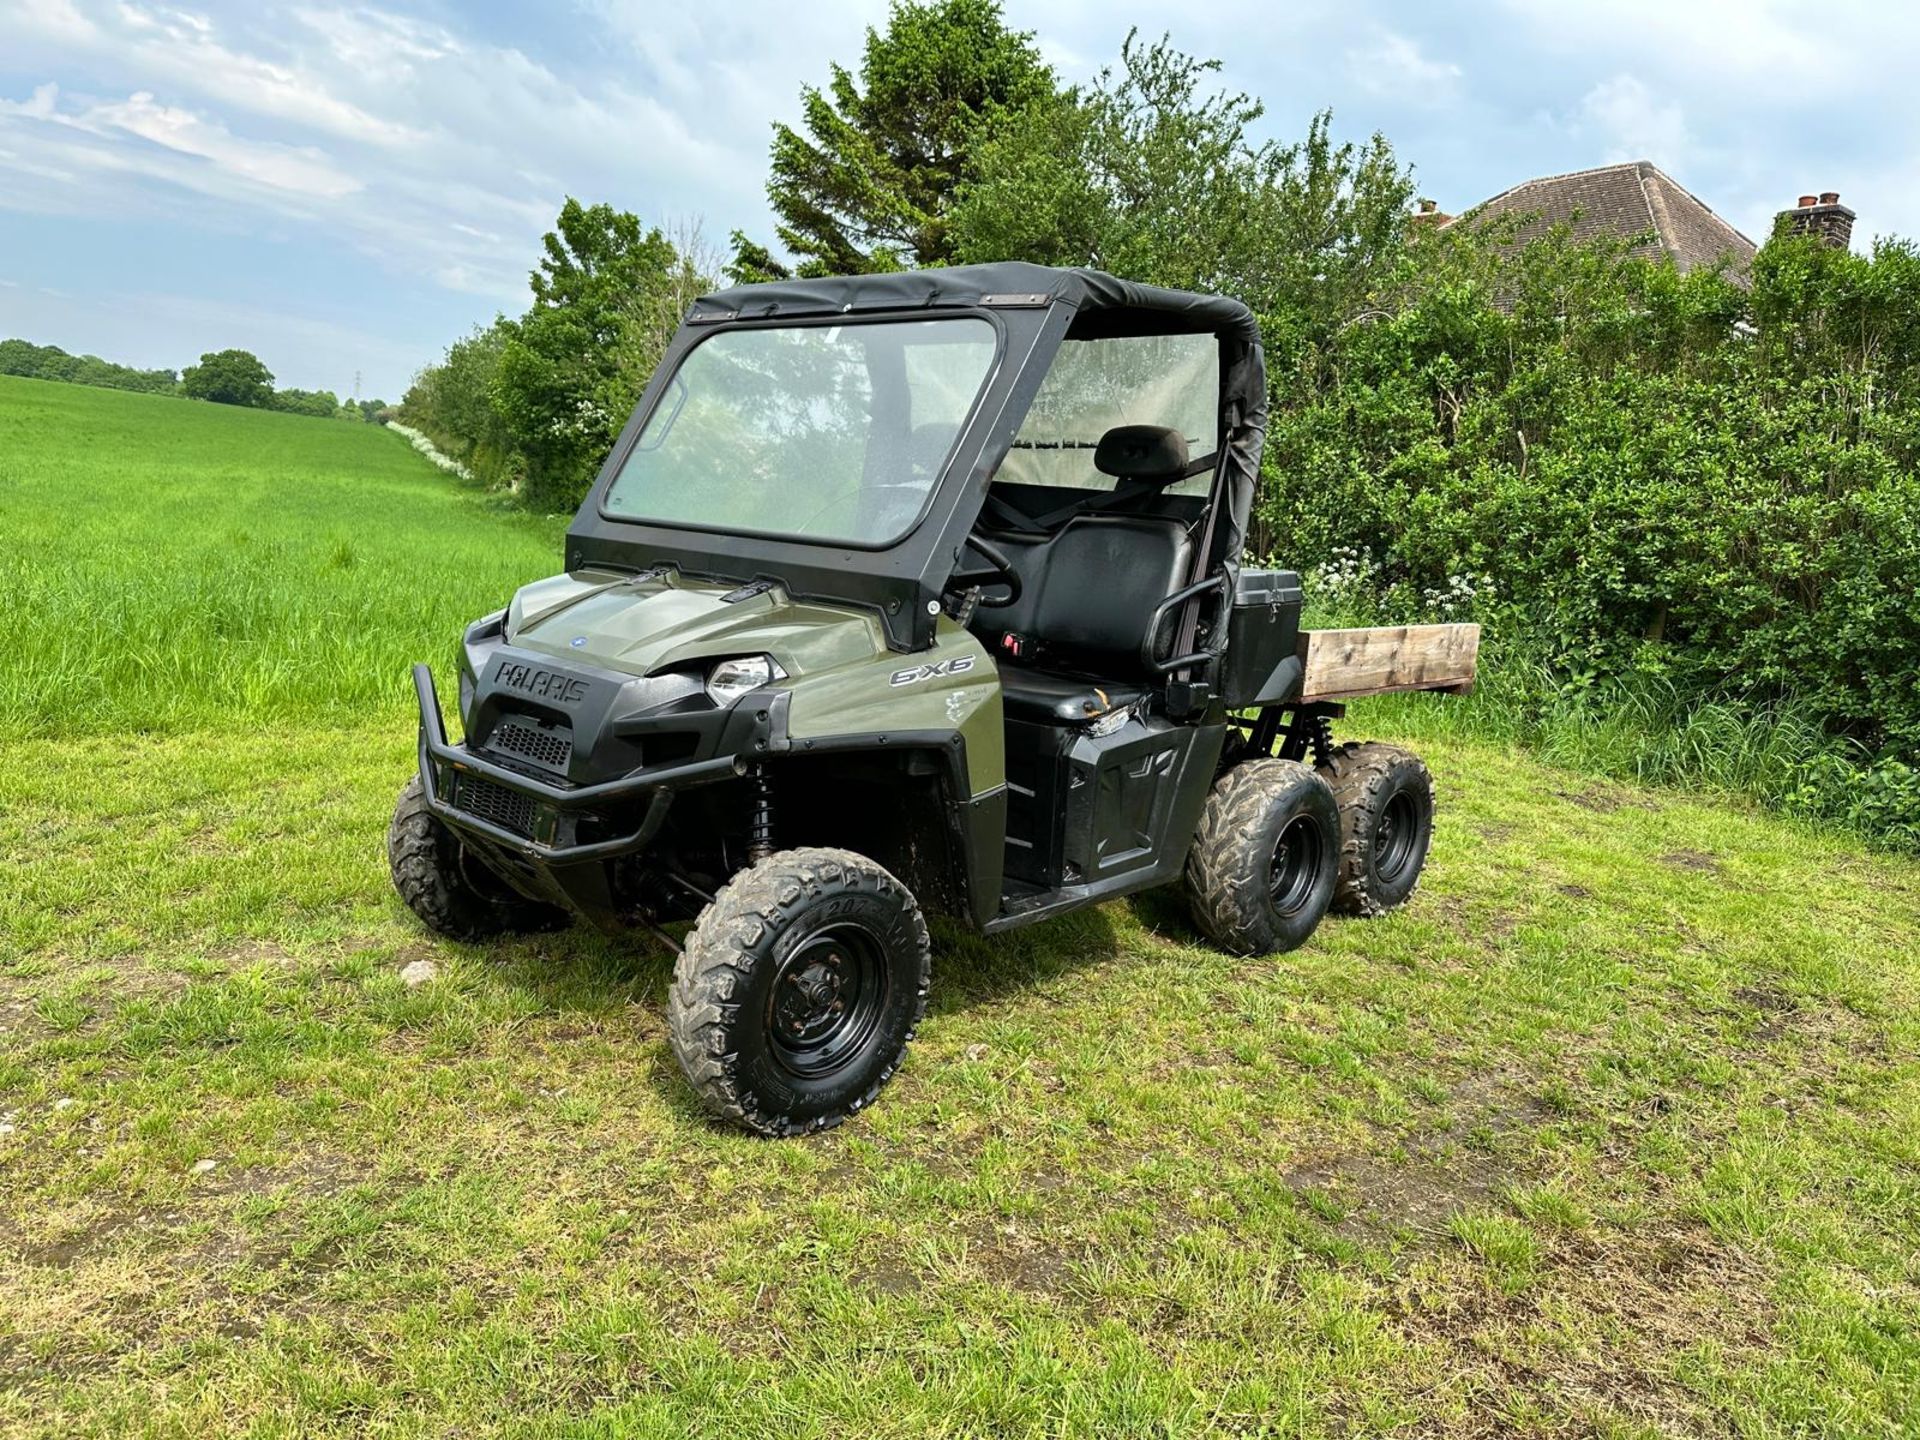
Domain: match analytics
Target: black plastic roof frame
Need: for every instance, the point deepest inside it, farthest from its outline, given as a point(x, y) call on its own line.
point(1005, 284)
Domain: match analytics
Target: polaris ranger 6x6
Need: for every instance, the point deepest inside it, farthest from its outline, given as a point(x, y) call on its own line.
point(900, 593)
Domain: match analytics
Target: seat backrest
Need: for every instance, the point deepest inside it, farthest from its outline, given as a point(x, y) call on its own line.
point(1104, 576)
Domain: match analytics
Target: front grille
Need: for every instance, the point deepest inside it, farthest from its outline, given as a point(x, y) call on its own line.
point(487, 800)
point(549, 749)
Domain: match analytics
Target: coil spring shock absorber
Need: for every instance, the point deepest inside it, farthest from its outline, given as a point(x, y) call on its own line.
point(1320, 738)
point(760, 830)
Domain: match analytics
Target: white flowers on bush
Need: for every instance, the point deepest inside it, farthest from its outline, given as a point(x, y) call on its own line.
point(1459, 594)
point(427, 448)
point(589, 421)
point(1350, 587)
point(1347, 574)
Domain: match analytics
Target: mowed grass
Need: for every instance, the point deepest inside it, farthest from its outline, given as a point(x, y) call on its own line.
point(1615, 1130)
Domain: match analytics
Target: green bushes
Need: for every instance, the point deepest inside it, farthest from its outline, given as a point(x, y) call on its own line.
point(229, 377)
point(1670, 483)
point(534, 404)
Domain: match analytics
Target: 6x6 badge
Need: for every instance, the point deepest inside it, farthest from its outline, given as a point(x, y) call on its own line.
point(939, 670)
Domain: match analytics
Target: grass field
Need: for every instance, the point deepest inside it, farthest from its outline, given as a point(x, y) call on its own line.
point(171, 565)
point(1615, 1130)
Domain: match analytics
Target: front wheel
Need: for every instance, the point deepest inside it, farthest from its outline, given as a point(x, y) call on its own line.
point(447, 886)
point(798, 989)
point(1262, 868)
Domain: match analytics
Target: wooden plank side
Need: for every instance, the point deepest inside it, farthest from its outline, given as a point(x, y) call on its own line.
point(1346, 664)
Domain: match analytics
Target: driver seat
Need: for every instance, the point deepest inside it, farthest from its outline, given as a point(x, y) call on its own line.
point(1089, 593)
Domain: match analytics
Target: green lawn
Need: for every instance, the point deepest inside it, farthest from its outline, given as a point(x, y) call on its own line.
point(1614, 1130)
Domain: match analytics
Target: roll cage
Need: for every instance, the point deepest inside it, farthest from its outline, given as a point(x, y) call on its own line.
point(1034, 310)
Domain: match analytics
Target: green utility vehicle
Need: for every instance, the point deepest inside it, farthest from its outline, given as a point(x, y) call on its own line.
point(904, 592)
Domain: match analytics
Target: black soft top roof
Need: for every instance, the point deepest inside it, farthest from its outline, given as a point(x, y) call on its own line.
point(1104, 303)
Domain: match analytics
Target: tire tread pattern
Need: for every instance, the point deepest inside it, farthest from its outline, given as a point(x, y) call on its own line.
point(423, 857)
point(713, 967)
point(1227, 869)
point(1359, 770)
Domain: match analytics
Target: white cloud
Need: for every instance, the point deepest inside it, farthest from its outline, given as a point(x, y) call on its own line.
point(87, 139)
point(1751, 39)
point(442, 155)
point(58, 20)
point(182, 49)
point(1393, 64)
point(303, 170)
point(1633, 123)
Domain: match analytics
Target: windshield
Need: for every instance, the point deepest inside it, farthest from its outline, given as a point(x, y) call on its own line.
point(833, 433)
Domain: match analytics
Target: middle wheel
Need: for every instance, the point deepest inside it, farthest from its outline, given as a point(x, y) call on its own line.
point(798, 990)
point(1262, 868)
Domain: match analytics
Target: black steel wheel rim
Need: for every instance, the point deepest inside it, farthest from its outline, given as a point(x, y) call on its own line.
point(1396, 837)
point(827, 999)
point(1296, 865)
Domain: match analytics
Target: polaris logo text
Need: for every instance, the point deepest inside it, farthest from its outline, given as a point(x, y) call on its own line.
point(940, 670)
point(542, 684)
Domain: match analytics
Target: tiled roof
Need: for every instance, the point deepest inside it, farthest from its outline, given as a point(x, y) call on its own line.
point(1636, 198)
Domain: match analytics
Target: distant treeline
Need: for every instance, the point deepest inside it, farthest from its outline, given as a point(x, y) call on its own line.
point(225, 377)
point(49, 362)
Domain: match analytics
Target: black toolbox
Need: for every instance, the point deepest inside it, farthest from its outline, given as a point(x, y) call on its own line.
point(1262, 664)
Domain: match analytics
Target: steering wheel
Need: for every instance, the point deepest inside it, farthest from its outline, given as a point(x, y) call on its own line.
point(1002, 573)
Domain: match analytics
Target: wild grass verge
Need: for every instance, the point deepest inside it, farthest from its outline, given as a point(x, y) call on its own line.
point(1645, 729)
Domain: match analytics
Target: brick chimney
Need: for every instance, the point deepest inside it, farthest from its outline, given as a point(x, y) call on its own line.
point(1824, 216)
point(1430, 213)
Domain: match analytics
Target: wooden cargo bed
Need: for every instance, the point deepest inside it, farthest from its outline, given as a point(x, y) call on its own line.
point(1349, 664)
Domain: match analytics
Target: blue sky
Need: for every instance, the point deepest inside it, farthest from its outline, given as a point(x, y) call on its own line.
point(346, 188)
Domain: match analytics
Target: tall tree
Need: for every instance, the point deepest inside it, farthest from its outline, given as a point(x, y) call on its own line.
point(868, 186)
point(1154, 174)
point(606, 297)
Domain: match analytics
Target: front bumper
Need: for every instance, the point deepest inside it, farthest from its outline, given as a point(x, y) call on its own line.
point(552, 810)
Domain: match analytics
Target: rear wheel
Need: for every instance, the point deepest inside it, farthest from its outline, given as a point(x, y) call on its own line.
point(1386, 825)
point(798, 989)
point(447, 886)
point(1263, 864)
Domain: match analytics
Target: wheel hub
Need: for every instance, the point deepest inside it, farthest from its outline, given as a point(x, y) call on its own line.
point(827, 999)
point(1296, 865)
point(1395, 837)
point(810, 998)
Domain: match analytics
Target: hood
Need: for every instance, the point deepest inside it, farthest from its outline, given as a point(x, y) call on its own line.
point(650, 623)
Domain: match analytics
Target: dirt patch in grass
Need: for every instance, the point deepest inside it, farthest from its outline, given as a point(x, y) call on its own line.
point(1691, 860)
point(1603, 1333)
point(1378, 1197)
point(1603, 799)
point(1419, 1179)
point(1017, 1257)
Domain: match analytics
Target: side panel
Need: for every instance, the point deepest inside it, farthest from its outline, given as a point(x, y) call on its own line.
point(1091, 818)
point(953, 687)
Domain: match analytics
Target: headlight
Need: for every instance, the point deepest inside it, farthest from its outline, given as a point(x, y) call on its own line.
point(731, 679)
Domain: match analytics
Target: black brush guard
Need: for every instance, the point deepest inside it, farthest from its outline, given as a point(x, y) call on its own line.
point(444, 765)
